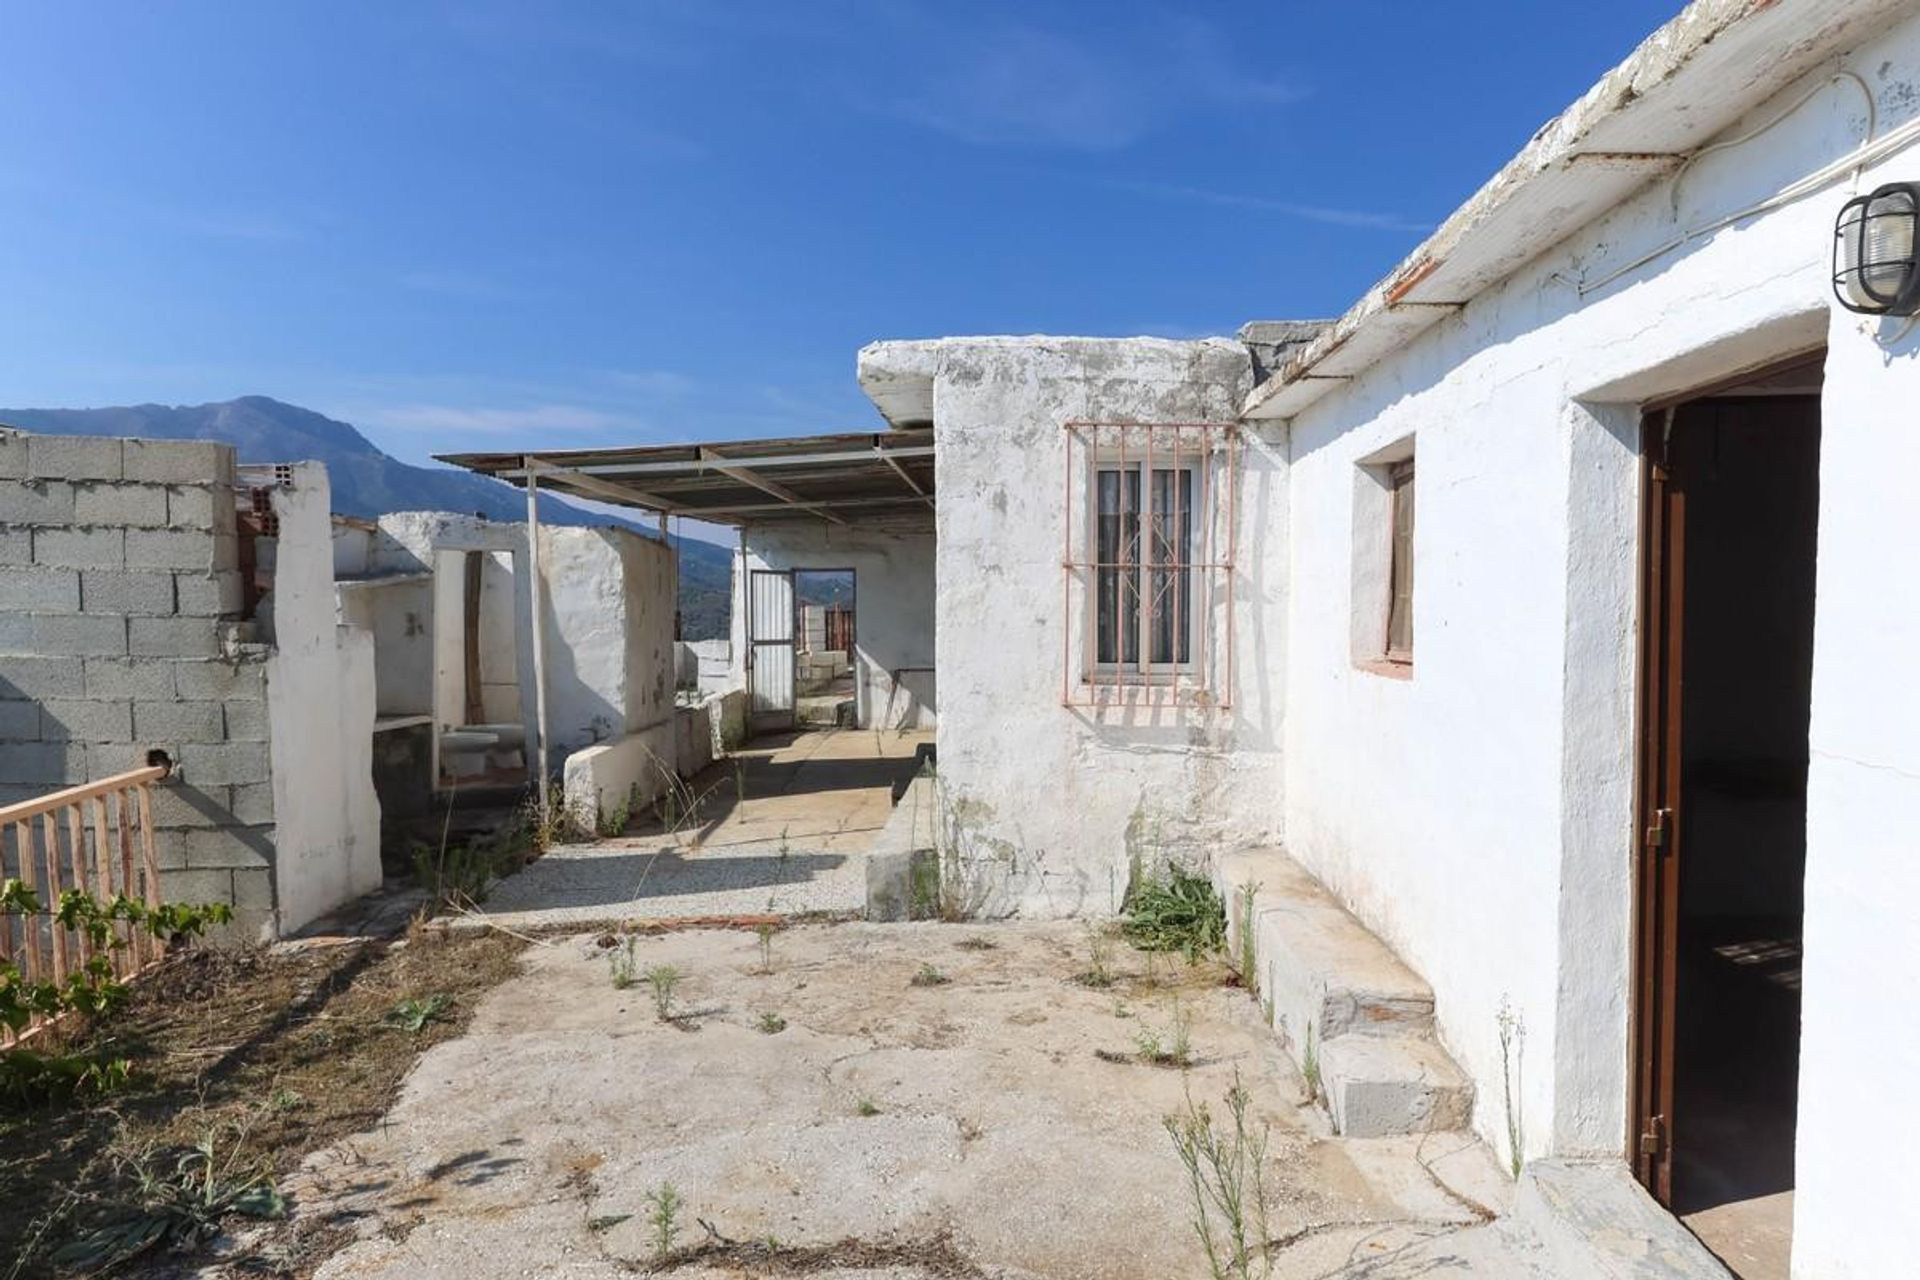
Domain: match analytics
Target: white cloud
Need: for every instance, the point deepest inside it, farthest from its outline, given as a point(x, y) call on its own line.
point(1329, 214)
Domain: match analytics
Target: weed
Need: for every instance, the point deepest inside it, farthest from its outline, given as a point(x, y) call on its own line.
point(663, 1215)
point(664, 979)
point(1177, 911)
point(786, 847)
point(181, 1196)
point(1226, 1185)
point(285, 1099)
point(611, 820)
point(764, 934)
point(1099, 973)
point(928, 976)
point(1310, 1065)
point(866, 1107)
point(1248, 962)
point(1171, 1046)
point(1513, 1045)
point(414, 1013)
point(622, 962)
point(770, 1024)
point(976, 943)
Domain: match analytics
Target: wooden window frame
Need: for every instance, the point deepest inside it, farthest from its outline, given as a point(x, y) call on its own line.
point(1400, 562)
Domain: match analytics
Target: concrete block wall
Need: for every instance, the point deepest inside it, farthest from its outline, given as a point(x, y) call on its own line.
point(120, 598)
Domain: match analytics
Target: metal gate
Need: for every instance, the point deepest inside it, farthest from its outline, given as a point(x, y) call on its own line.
point(770, 648)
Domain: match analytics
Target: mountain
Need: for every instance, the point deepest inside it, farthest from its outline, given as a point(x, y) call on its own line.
point(368, 482)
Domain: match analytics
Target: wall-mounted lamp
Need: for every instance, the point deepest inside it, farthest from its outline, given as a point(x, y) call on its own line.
point(1875, 268)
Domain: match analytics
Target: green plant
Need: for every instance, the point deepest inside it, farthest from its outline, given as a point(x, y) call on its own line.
point(770, 1024)
point(1099, 972)
point(1249, 963)
point(621, 962)
point(414, 1013)
point(663, 1215)
point(1513, 1044)
point(1310, 1065)
point(30, 1079)
point(1226, 1185)
point(284, 1099)
point(664, 980)
point(763, 933)
point(611, 820)
point(1176, 911)
point(1171, 1046)
point(866, 1107)
point(928, 976)
point(786, 849)
point(181, 1196)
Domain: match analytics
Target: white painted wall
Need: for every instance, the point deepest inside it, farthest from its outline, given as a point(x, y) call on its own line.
point(1479, 815)
point(1050, 803)
point(326, 818)
point(893, 568)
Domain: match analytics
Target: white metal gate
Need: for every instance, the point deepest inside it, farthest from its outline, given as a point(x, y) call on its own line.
point(770, 648)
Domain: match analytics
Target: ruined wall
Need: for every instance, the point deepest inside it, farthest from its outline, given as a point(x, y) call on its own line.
point(1052, 804)
point(895, 686)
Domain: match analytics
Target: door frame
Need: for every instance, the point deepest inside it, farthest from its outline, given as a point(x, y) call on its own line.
point(778, 717)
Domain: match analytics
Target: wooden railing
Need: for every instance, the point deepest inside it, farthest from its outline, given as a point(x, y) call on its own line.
point(97, 837)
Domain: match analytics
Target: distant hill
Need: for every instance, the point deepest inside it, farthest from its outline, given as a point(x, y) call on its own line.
point(368, 482)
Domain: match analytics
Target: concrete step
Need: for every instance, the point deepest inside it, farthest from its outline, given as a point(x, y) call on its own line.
point(1320, 972)
point(1594, 1222)
point(1495, 1251)
point(1383, 1086)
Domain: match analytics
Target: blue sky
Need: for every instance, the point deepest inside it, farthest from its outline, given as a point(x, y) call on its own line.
point(478, 225)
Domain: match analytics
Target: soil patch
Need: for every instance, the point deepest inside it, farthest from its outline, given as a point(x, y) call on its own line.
point(271, 1053)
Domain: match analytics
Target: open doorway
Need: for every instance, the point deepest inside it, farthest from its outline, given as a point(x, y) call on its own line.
point(824, 611)
point(1732, 490)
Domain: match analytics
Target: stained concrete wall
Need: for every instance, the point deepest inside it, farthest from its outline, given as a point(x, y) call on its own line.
point(895, 686)
point(1051, 805)
point(1479, 815)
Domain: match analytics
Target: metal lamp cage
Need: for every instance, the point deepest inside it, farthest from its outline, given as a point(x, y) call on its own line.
point(1875, 268)
point(1147, 586)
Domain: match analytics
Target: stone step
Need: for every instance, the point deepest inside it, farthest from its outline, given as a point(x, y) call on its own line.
point(1594, 1222)
point(1383, 1086)
point(1495, 1251)
point(1320, 973)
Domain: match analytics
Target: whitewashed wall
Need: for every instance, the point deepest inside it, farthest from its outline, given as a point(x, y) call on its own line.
point(1479, 815)
point(1050, 803)
point(893, 568)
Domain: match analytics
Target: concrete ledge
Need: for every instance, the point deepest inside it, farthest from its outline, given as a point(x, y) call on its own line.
point(1381, 1087)
point(632, 771)
point(1594, 1222)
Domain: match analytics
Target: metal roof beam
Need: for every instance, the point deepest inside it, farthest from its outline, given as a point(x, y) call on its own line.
point(738, 470)
point(552, 474)
point(902, 471)
point(777, 460)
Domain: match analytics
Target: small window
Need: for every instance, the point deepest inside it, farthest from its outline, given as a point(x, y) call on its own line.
point(1143, 581)
point(1400, 563)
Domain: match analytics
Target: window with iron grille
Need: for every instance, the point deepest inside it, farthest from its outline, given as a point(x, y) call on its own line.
point(1149, 552)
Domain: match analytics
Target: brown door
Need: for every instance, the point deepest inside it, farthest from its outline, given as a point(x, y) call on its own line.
point(1657, 851)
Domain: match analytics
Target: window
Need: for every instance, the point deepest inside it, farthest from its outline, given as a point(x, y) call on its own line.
point(1400, 562)
point(1143, 581)
point(1150, 514)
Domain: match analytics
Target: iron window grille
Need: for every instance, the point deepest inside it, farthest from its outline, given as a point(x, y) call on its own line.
point(1148, 564)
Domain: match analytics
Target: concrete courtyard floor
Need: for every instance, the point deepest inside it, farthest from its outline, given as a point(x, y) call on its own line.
point(785, 834)
point(838, 1120)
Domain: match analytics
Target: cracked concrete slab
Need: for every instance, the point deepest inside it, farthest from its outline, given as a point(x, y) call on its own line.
point(828, 1102)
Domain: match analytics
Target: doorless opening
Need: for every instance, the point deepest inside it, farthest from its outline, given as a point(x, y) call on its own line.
point(824, 601)
point(1727, 655)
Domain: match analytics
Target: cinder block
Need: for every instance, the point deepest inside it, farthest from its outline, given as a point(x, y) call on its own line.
point(200, 595)
point(103, 759)
point(252, 802)
point(177, 804)
point(75, 457)
point(84, 720)
point(246, 721)
point(80, 548)
point(230, 847)
point(221, 680)
point(226, 549)
point(173, 549)
point(128, 678)
point(19, 722)
point(36, 502)
point(40, 590)
point(85, 635)
point(42, 764)
point(179, 462)
point(160, 723)
point(196, 886)
point(253, 894)
point(146, 592)
point(13, 455)
point(193, 507)
point(120, 504)
point(172, 638)
point(222, 764)
point(16, 545)
point(32, 677)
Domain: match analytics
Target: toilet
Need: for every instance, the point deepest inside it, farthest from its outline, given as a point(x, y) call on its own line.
point(464, 751)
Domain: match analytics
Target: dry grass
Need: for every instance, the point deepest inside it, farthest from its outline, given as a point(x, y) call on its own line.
point(293, 1049)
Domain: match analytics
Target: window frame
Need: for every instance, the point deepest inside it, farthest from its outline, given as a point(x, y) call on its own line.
point(1401, 496)
point(1143, 670)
